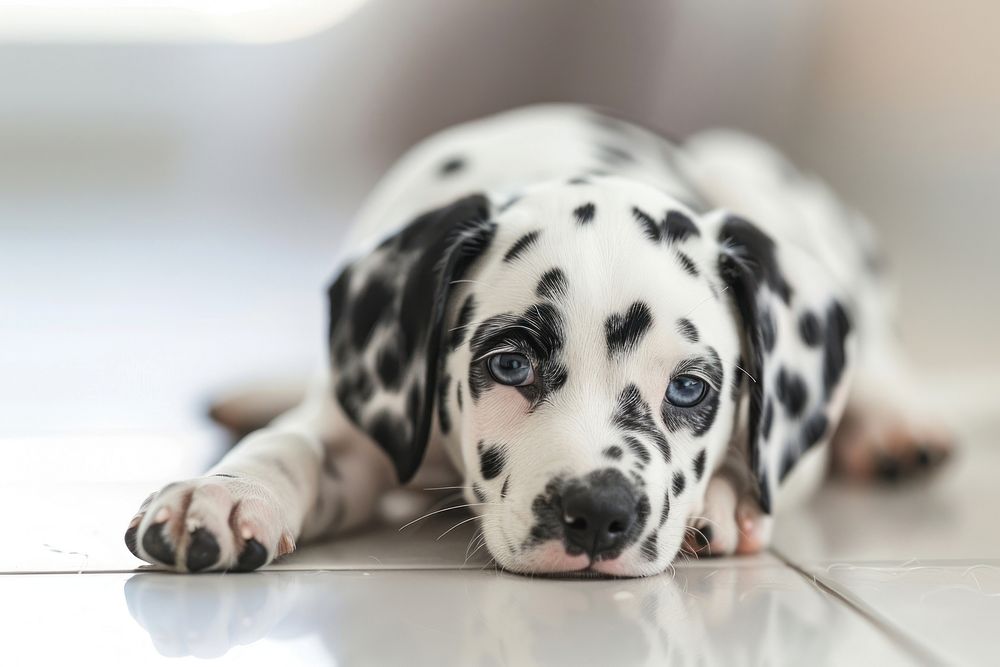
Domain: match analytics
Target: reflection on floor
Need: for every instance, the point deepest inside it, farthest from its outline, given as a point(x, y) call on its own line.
point(875, 576)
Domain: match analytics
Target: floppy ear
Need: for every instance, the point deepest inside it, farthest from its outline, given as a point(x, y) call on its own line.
point(386, 318)
point(797, 347)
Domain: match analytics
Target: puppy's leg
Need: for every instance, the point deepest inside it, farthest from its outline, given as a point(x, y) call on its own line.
point(308, 474)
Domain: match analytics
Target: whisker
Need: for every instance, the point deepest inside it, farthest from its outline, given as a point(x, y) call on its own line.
point(746, 373)
point(446, 509)
point(463, 521)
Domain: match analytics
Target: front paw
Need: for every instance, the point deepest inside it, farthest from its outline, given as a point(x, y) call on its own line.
point(219, 522)
point(730, 523)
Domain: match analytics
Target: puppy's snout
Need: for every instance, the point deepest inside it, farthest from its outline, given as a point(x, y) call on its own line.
point(598, 513)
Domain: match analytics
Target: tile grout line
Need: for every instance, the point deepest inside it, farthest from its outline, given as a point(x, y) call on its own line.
point(897, 635)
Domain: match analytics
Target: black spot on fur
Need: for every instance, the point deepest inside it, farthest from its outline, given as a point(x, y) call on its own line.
point(648, 224)
point(678, 227)
point(579, 180)
point(791, 392)
point(639, 449)
point(444, 417)
point(521, 245)
point(552, 284)
point(465, 315)
point(766, 420)
point(814, 429)
point(687, 263)
point(389, 367)
point(699, 465)
point(767, 332)
point(222, 474)
point(368, 309)
point(633, 415)
point(688, 329)
point(756, 252)
point(838, 326)
point(478, 492)
point(623, 331)
point(665, 509)
point(458, 394)
point(491, 460)
point(789, 457)
point(613, 452)
point(809, 329)
point(680, 481)
point(413, 403)
point(451, 166)
point(649, 549)
point(584, 214)
point(614, 155)
point(738, 373)
point(505, 488)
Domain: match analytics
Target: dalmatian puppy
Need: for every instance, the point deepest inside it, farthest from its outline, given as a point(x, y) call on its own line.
point(619, 347)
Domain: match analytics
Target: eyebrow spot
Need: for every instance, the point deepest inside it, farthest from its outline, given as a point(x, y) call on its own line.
point(623, 331)
point(521, 245)
point(688, 329)
point(585, 213)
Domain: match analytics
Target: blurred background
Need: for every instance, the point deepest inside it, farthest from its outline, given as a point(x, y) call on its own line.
point(174, 180)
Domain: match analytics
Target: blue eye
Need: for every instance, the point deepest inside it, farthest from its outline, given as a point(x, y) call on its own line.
point(686, 391)
point(511, 368)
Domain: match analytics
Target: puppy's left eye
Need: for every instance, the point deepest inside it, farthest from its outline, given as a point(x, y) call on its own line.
point(686, 391)
point(511, 368)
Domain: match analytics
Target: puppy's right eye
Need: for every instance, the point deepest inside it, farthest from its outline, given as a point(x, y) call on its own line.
point(511, 368)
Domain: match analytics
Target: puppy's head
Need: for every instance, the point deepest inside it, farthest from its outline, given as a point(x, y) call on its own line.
point(580, 351)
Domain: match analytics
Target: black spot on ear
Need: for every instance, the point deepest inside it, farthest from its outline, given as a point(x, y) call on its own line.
point(680, 481)
point(465, 315)
point(789, 457)
point(505, 488)
point(766, 420)
point(688, 329)
point(584, 214)
point(648, 224)
point(552, 284)
point(337, 297)
point(491, 460)
point(369, 308)
point(699, 465)
point(477, 491)
point(750, 243)
point(614, 452)
point(413, 403)
point(521, 245)
point(678, 227)
point(767, 332)
point(764, 489)
point(687, 264)
point(389, 367)
point(623, 331)
point(838, 326)
point(444, 417)
point(814, 429)
point(649, 549)
point(391, 433)
point(809, 329)
point(458, 394)
point(451, 166)
point(791, 392)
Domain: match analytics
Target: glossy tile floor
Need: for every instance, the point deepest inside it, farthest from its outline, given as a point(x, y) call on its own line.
point(906, 575)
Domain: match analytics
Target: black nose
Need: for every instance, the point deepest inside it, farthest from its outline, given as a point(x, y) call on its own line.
point(598, 512)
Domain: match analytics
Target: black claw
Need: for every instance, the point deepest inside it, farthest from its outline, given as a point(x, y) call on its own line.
point(130, 540)
point(203, 550)
point(156, 544)
point(254, 556)
point(888, 469)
